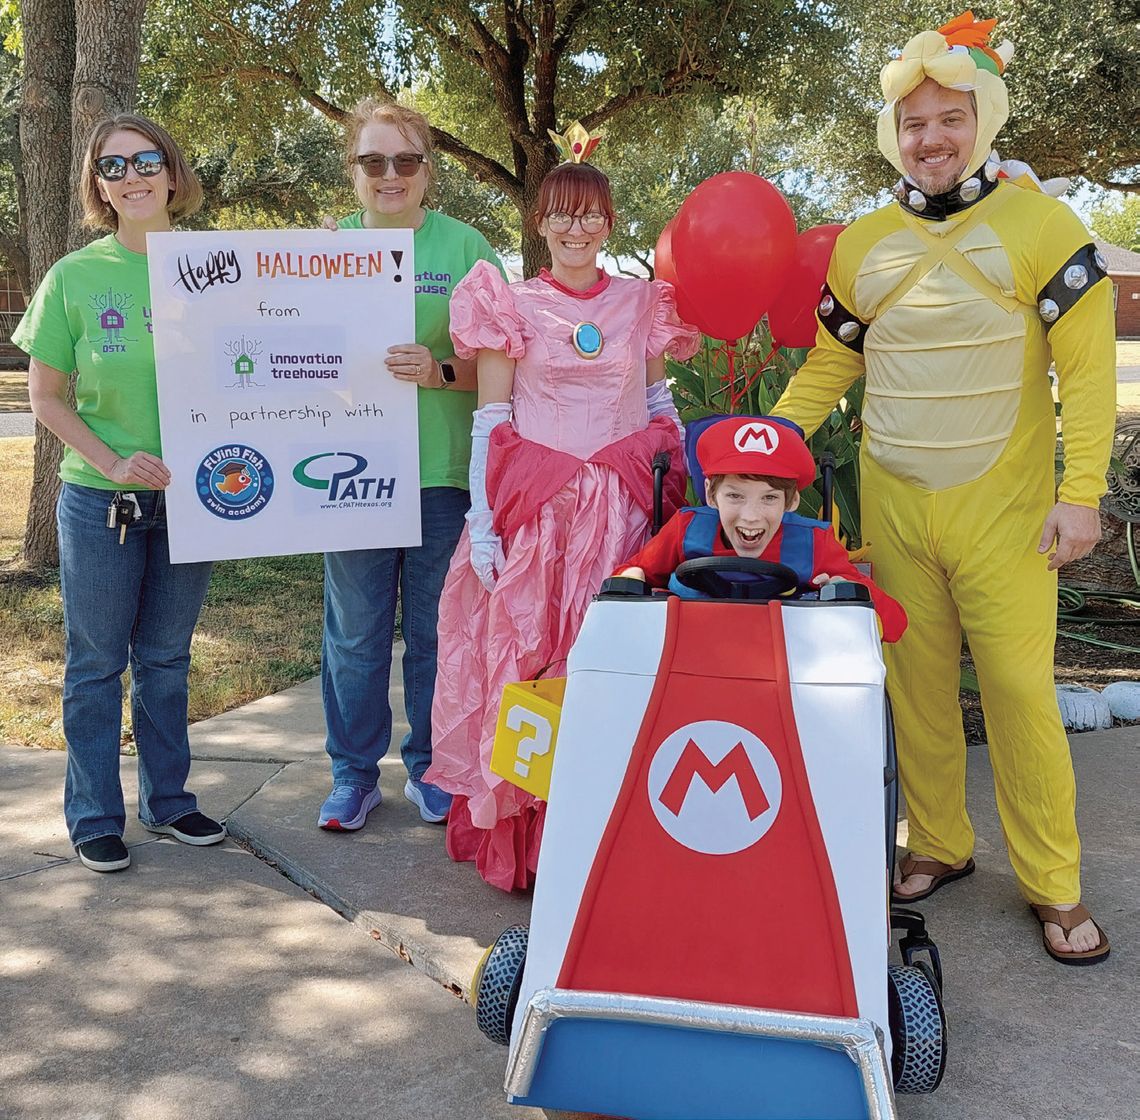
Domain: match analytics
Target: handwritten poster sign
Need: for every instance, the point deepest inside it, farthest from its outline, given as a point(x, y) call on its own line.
point(281, 427)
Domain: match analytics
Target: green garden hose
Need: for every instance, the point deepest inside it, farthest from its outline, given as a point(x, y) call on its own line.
point(1072, 601)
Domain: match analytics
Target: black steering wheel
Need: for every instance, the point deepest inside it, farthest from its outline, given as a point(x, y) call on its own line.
point(737, 577)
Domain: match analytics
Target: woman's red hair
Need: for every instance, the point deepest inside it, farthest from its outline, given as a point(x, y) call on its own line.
point(574, 188)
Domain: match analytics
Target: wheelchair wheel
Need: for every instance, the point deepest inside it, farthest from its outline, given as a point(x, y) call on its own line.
point(918, 1028)
point(495, 988)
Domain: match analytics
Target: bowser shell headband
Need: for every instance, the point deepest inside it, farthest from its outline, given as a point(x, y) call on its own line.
point(956, 57)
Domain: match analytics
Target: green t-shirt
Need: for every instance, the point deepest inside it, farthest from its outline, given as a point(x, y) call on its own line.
point(445, 250)
point(91, 315)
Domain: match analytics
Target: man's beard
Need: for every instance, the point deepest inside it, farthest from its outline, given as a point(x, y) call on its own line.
point(939, 181)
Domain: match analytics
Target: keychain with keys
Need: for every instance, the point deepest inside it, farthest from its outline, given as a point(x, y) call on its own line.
point(124, 509)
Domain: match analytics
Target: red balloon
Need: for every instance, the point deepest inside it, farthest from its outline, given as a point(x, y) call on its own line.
point(732, 244)
point(791, 318)
point(665, 268)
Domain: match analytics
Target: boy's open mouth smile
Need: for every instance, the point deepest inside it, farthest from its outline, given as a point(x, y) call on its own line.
point(750, 536)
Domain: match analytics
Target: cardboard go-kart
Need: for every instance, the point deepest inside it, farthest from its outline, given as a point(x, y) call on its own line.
point(711, 920)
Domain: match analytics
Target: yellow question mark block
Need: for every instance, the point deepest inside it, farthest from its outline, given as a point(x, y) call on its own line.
point(526, 734)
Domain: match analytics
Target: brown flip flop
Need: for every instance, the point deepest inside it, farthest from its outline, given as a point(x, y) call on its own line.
point(1068, 920)
point(942, 874)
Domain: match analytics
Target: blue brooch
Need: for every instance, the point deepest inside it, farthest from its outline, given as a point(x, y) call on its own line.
point(587, 339)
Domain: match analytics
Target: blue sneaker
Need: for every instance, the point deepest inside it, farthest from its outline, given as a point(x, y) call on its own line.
point(347, 807)
point(433, 803)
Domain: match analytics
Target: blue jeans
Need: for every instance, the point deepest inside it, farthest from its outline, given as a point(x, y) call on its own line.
point(124, 604)
point(360, 622)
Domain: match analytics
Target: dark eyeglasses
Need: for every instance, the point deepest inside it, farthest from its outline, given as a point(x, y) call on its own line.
point(406, 164)
point(592, 222)
point(115, 167)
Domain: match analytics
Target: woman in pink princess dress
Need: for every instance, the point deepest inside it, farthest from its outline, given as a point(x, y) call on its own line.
point(573, 406)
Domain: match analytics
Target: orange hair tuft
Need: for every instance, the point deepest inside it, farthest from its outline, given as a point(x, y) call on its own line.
point(965, 31)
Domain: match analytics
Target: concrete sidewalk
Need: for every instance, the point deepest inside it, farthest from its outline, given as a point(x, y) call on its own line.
point(201, 984)
point(250, 951)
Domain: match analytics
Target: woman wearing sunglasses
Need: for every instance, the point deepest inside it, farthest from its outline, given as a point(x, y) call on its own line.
point(124, 603)
point(573, 408)
point(391, 162)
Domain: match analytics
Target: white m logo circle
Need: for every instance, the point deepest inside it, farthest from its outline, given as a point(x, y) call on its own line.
point(758, 437)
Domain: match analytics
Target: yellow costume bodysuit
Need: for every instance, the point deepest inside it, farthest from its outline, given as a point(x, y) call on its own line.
point(954, 306)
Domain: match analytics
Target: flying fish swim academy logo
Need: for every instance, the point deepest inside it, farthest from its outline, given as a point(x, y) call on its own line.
point(234, 482)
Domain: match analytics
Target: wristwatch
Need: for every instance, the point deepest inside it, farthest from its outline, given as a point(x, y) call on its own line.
point(447, 372)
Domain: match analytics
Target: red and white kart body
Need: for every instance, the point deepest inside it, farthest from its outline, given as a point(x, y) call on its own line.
point(711, 922)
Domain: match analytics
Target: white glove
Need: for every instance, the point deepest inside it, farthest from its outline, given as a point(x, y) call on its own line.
point(659, 401)
point(487, 556)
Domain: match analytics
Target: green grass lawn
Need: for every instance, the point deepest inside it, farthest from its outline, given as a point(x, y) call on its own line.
point(260, 629)
point(260, 632)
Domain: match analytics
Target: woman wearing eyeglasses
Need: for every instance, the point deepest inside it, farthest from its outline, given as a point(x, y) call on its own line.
point(124, 603)
point(391, 161)
point(573, 408)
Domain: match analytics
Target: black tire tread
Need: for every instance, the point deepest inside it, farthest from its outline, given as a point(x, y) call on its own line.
point(497, 992)
point(918, 1028)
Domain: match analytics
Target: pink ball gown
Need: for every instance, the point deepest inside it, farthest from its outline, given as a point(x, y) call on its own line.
point(570, 484)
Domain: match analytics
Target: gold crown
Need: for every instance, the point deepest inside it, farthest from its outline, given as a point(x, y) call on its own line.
point(577, 143)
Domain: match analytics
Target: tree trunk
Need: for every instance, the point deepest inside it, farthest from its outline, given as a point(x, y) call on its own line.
point(81, 63)
point(535, 254)
point(45, 127)
point(45, 146)
point(108, 41)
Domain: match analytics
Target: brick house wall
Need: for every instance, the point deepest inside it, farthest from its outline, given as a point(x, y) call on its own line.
point(1123, 267)
point(1127, 304)
point(12, 304)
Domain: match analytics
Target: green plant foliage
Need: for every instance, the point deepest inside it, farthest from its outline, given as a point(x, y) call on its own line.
point(656, 161)
point(1117, 220)
point(293, 178)
point(11, 30)
point(457, 193)
point(12, 247)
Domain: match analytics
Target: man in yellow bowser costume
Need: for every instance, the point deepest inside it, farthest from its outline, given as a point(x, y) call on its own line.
point(954, 300)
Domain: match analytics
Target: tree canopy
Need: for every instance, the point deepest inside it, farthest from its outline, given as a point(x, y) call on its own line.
point(498, 76)
point(255, 90)
point(789, 89)
point(1074, 87)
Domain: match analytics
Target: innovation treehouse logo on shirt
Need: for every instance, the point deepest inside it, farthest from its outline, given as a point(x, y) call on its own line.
point(111, 310)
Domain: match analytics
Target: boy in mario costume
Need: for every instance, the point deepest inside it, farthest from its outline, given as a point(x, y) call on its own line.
point(953, 300)
point(754, 468)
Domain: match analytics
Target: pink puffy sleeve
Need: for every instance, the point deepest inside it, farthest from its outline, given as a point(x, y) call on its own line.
point(483, 315)
point(667, 332)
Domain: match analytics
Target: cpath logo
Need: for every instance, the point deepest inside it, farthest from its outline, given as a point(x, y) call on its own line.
point(343, 482)
point(714, 787)
point(757, 436)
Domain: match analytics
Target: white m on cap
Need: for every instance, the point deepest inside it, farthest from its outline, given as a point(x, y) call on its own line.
point(758, 437)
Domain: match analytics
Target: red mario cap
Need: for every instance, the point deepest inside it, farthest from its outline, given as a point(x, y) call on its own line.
point(755, 445)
